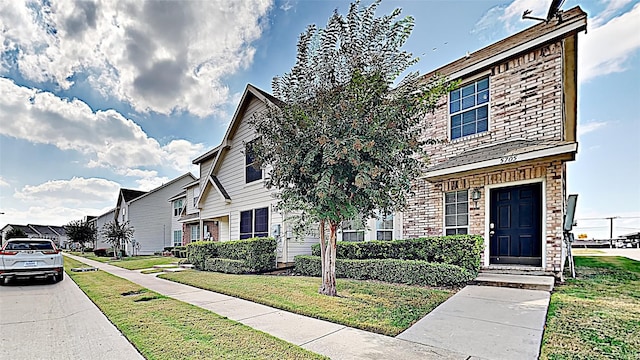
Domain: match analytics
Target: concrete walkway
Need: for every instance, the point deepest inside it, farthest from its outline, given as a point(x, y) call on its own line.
point(479, 322)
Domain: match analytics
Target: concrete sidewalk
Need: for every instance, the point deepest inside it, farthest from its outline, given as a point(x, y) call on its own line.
point(479, 322)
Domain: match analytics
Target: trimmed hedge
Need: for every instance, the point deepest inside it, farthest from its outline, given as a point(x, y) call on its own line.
point(104, 252)
point(225, 266)
point(255, 254)
point(460, 250)
point(410, 272)
point(179, 251)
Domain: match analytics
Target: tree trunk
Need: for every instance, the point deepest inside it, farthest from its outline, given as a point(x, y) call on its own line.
point(323, 252)
point(329, 263)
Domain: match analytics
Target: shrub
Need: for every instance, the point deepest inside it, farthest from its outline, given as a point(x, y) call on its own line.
point(256, 254)
point(225, 266)
point(410, 272)
point(178, 251)
point(104, 252)
point(460, 250)
point(87, 249)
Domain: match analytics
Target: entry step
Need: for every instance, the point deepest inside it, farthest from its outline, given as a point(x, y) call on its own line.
point(530, 282)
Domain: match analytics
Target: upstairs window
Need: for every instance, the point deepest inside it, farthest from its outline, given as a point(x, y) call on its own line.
point(469, 109)
point(252, 172)
point(254, 223)
point(177, 207)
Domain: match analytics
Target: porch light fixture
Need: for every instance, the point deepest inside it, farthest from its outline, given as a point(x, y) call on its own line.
point(475, 196)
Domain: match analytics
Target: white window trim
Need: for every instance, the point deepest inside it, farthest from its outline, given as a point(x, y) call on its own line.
point(180, 236)
point(392, 230)
point(253, 220)
point(444, 212)
point(191, 227)
point(466, 82)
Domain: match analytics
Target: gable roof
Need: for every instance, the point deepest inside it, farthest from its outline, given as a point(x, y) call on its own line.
point(573, 20)
point(43, 230)
point(130, 194)
point(25, 228)
point(144, 194)
point(178, 196)
point(251, 92)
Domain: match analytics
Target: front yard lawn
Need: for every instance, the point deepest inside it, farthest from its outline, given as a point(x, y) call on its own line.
point(373, 306)
point(164, 328)
point(596, 315)
point(132, 262)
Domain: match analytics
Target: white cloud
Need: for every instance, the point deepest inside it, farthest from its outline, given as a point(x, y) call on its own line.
point(590, 127)
point(44, 215)
point(75, 191)
point(160, 56)
point(607, 48)
point(150, 183)
point(3, 182)
point(107, 137)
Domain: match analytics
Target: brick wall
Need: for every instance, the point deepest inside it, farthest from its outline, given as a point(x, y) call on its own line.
point(525, 101)
point(424, 215)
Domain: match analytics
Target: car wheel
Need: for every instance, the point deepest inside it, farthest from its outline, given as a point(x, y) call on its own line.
point(58, 278)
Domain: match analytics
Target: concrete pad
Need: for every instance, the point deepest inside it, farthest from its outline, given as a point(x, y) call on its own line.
point(165, 266)
point(279, 324)
point(238, 309)
point(487, 322)
point(199, 297)
point(516, 314)
point(505, 294)
point(353, 344)
point(531, 282)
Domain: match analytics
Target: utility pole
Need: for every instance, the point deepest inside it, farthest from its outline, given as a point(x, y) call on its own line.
point(611, 230)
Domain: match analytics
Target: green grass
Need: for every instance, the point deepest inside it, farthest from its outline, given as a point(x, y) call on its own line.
point(373, 306)
point(596, 315)
point(131, 262)
point(581, 252)
point(164, 328)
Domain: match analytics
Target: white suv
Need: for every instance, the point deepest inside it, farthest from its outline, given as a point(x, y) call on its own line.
point(27, 258)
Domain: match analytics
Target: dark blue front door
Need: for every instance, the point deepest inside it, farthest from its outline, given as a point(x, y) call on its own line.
point(515, 225)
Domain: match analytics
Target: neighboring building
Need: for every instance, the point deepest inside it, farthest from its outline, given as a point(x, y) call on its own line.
point(233, 201)
point(52, 232)
point(510, 130)
point(98, 222)
point(185, 227)
point(149, 214)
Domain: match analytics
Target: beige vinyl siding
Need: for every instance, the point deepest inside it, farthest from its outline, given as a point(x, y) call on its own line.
point(151, 217)
point(231, 173)
point(100, 221)
point(191, 208)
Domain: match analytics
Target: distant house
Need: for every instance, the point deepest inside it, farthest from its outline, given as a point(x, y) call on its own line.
point(233, 202)
point(98, 222)
point(186, 217)
point(149, 214)
point(509, 131)
point(52, 232)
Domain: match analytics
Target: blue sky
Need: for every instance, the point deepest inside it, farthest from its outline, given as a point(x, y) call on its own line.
point(95, 95)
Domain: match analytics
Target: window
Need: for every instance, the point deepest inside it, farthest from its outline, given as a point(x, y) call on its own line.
point(251, 172)
point(456, 212)
point(196, 193)
point(352, 230)
point(469, 109)
point(177, 238)
point(384, 227)
point(254, 223)
point(177, 207)
point(195, 232)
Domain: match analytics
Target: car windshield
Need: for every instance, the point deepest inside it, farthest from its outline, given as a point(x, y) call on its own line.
point(29, 245)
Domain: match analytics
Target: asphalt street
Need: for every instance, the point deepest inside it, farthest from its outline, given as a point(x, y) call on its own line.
point(41, 320)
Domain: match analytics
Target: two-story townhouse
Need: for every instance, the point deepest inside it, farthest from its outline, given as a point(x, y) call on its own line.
point(149, 214)
point(233, 201)
point(185, 217)
point(98, 223)
point(509, 130)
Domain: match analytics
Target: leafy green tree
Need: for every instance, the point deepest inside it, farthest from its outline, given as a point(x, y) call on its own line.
point(118, 235)
point(14, 233)
point(343, 141)
point(81, 232)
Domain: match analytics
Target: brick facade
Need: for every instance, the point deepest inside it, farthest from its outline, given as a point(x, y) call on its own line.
point(525, 102)
point(212, 227)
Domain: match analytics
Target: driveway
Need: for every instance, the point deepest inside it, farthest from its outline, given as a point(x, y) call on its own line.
point(40, 320)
